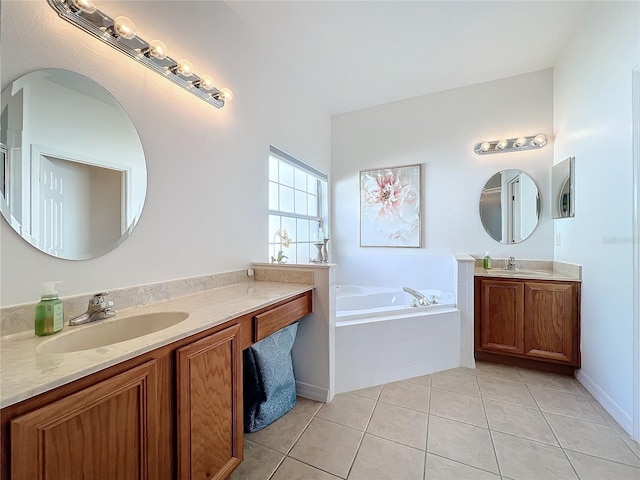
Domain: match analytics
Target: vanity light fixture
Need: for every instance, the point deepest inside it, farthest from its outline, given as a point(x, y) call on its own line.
point(120, 33)
point(511, 144)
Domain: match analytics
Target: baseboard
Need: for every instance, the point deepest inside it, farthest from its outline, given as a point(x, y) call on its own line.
point(619, 415)
point(312, 392)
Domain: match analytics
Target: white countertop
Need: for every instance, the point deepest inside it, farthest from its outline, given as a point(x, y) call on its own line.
point(24, 372)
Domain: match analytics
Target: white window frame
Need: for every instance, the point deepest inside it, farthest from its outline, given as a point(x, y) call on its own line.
point(300, 251)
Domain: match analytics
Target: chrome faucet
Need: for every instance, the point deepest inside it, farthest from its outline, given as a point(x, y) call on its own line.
point(98, 309)
point(511, 264)
point(418, 298)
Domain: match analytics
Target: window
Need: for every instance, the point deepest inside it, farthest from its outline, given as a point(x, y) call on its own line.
point(297, 205)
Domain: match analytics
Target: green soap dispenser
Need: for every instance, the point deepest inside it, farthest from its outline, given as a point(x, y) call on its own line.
point(49, 311)
point(486, 261)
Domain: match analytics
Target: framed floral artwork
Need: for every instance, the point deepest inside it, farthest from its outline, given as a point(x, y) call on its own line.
point(390, 207)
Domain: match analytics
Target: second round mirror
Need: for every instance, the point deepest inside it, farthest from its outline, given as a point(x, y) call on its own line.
point(510, 206)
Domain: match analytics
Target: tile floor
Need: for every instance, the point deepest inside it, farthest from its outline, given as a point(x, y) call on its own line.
point(490, 423)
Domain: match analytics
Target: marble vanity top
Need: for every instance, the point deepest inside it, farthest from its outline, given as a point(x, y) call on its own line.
point(532, 270)
point(25, 372)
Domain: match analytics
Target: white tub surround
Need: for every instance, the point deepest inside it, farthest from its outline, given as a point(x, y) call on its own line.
point(24, 372)
point(464, 295)
point(395, 348)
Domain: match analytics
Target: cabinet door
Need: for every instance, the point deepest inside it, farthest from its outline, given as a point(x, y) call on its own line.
point(551, 321)
point(501, 316)
point(209, 401)
point(106, 431)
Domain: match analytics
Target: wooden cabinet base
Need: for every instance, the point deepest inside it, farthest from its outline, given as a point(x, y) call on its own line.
point(543, 366)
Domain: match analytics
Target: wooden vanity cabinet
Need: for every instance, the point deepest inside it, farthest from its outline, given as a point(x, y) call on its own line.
point(104, 431)
point(531, 323)
point(173, 413)
point(209, 406)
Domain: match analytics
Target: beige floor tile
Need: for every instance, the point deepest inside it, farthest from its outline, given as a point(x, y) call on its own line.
point(527, 460)
point(348, 409)
point(461, 442)
point(259, 462)
point(381, 459)
point(592, 439)
point(520, 421)
point(457, 406)
point(421, 380)
point(370, 392)
point(554, 381)
point(307, 405)
point(292, 469)
point(498, 371)
point(456, 381)
point(399, 424)
point(406, 394)
point(439, 468)
point(328, 446)
point(283, 433)
point(568, 404)
point(508, 392)
point(593, 468)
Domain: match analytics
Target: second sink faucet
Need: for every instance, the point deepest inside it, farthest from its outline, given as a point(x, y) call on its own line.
point(419, 298)
point(98, 309)
point(511, 264)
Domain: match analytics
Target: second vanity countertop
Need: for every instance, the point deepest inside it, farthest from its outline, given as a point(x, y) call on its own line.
point(25, 372)
point(531, 270)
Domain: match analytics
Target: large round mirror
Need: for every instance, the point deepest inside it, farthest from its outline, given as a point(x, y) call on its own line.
point(510, 206)
point(73, 172)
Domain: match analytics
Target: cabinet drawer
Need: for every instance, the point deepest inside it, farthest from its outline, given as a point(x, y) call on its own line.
point(266, 323)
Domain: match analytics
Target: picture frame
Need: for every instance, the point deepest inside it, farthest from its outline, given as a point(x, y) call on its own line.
point(390, 207)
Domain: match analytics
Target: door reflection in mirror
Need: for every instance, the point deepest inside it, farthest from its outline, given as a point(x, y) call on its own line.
point(75, 172)
point(509, 206)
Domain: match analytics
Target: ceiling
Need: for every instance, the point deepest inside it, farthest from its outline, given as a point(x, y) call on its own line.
point(357, 54)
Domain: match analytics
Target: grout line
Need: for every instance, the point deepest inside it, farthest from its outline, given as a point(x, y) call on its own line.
point(602, 458)
point(426, 440)
point(353, 461)
point(465, 464)
point(486, 417)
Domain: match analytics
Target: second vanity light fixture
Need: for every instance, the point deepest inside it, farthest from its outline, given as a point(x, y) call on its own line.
point(511, 144)
point(120, 33)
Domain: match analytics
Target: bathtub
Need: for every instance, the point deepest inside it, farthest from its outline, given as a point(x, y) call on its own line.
point(381, 338)
point(371, 304)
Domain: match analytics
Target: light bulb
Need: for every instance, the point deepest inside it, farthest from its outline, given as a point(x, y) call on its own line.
point(520, 142)
point(157, 49)
point(184, 68)
point(485, 146)
point(502, 144)
point(125, 28)
point(539, 141)
point(226, 94)
point(85, 6)
point(205, 82)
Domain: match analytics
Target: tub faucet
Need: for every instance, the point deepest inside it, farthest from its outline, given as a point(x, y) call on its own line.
point(511, 264)
point(419, 299)
point(98, 309)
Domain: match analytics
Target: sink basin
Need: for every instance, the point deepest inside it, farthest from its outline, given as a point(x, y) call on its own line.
point(529, 273)
point(118, 330)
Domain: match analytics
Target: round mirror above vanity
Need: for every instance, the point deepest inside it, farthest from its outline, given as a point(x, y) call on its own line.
point(74, 177)
point(510, 206)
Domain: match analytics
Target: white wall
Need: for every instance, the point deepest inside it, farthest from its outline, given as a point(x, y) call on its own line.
point(206, 206)
point(440, 131)
point(592, 119)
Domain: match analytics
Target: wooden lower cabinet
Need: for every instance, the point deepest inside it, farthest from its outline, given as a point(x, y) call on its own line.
point(534, 323)
point(106, 431)
point(209, 408)
point(172, 413)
